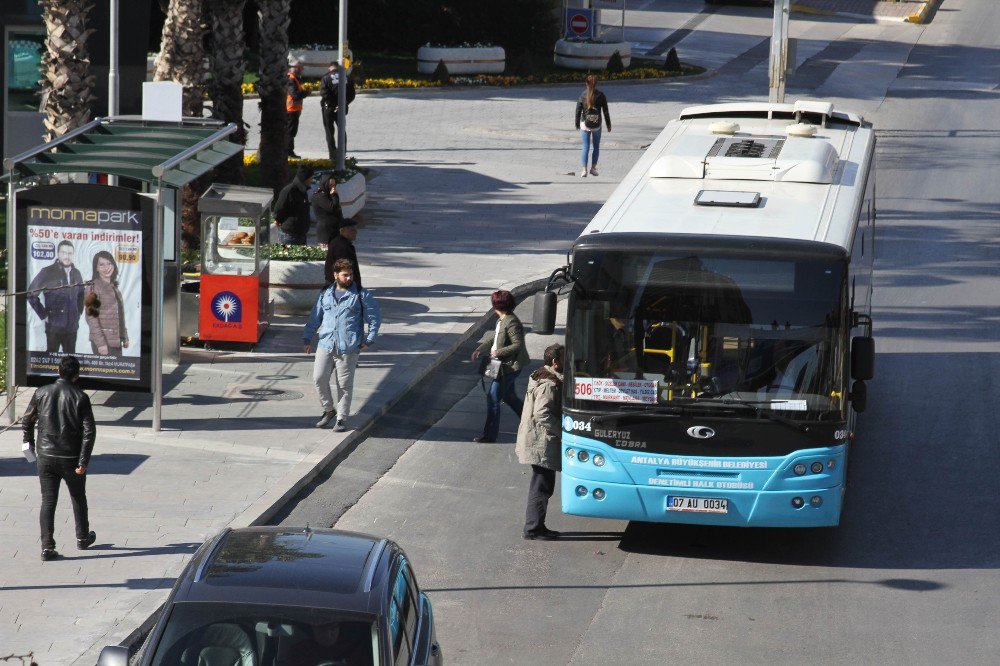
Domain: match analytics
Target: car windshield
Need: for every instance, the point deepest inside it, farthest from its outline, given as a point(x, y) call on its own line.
point(259, 635)
point(650, 329)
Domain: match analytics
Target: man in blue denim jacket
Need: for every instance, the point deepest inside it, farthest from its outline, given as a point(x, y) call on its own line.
point(339, 315)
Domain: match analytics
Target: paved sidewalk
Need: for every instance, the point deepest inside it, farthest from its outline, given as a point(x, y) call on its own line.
point(911, 11)
point(471, 190)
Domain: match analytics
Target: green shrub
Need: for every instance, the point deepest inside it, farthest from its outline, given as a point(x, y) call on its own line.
point(672, 62)
point(441, 73)
point(615, 64)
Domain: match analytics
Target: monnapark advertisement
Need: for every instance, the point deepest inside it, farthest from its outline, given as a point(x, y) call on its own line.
point(84, 265)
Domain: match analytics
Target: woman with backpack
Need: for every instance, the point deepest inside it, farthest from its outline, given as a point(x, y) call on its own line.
point(588, 111)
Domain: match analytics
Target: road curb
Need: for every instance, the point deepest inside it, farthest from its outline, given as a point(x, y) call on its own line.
point(922, 13)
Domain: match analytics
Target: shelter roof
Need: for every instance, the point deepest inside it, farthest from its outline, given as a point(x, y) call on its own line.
point(173, 153)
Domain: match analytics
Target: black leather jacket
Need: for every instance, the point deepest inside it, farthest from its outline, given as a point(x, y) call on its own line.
point(65, 421)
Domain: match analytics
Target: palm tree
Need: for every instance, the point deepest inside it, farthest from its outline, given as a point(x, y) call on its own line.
point(182, 53)
point(67, 83)
point(228, 45)
point(272, 17)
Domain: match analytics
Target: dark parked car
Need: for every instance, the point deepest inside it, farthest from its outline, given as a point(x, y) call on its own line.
point(272, 596)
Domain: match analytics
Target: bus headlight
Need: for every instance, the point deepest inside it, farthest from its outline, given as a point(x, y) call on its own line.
point(815, 500)
point(598, 493)
point(799, 469)
point(581, 491)
point(797, 502)
point(816, 467)
point(570, 453)
point(583, 456)
point(598, 461)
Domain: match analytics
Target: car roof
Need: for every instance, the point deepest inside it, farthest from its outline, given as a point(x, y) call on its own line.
point(319, 568)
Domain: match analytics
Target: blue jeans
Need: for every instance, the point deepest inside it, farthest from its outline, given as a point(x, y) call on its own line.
point(588, 138)
point(501, 390)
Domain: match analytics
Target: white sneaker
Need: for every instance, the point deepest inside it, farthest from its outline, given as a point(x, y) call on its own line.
point(341, 426)
point(327, 417)
point(593, 171)
point(583, 174)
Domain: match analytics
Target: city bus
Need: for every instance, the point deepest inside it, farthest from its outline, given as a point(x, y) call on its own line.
point(718, 327)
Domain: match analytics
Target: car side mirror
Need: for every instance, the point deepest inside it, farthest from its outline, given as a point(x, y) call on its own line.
point(859, 396)
point(113, 655)
point(543, 319)
point(863, 357)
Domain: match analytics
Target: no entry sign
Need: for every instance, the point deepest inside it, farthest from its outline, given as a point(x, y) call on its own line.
point(579, 23)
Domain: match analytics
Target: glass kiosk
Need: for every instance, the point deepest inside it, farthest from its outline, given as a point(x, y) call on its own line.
point(234, 279)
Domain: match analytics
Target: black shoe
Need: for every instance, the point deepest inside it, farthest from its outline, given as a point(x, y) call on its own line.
point(49, 554)
point(84, 544)
point(543, 534)
point(483, 440)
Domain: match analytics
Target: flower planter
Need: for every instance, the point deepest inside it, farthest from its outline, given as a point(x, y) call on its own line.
point(295, 284)
point(589, 55)
point(353, 193)
point(462, 59)
point(315, 62)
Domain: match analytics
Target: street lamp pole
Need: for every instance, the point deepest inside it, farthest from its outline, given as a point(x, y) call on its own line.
point(342, 88)
point(779, 52)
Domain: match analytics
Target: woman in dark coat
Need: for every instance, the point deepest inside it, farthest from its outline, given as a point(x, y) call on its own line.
point(326, 210)
point(507, 344)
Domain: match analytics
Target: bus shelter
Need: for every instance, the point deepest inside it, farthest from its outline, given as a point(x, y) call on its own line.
point(93, 238)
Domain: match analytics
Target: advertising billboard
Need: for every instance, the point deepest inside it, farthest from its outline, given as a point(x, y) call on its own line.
point(85, 261)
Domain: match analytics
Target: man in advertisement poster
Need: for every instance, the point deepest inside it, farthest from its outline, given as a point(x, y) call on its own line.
point(66, 434)
point(57, 298)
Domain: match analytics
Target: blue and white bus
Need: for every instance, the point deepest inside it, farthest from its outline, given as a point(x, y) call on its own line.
point(718, 331)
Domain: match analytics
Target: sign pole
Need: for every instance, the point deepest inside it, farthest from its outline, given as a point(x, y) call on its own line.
point(113, 71)
point(342, 89)
point(779, 52)
point(623, 20)
point(156, 367)
point(10, 313)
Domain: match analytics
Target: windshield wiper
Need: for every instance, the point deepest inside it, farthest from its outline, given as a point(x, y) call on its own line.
point(649, 413)
point(752, 406)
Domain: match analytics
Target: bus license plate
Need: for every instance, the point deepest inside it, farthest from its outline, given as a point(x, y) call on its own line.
point(698, 504)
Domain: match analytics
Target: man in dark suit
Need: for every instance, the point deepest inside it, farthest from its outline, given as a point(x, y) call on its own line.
point(329, 89)
point(61, 287)
point(342, 247)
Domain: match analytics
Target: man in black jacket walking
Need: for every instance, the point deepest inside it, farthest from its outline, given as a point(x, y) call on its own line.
point(342, 247)
point(291, 210)
point(66, 434)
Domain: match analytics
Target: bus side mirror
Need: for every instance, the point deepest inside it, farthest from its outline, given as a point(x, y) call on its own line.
point(863, 357)
point(859, 396)
point(543, 319)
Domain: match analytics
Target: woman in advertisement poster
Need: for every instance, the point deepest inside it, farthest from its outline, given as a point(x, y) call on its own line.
point(105, 308)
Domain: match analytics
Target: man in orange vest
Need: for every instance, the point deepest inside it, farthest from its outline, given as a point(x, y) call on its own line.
point(293, 103)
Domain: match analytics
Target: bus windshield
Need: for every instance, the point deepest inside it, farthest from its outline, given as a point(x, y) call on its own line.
point(662, 328)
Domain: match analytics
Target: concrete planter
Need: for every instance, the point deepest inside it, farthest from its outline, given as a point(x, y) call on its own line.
point(353, 193)
point(294, 285)
point(462, 59)
point(589, 55)
point(315, 62)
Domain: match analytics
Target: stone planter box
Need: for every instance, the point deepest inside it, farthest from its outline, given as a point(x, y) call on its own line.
point(295, 284)
point(353, 193)
point(589, 55)
point(315, 62)
point(462, 60)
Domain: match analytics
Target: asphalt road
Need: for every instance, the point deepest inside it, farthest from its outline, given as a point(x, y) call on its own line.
point(911, 575)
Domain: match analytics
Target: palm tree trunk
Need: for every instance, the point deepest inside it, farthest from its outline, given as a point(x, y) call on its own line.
point(182, 53)
point(272, 16)
point(67, 83)
point(228, 64)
